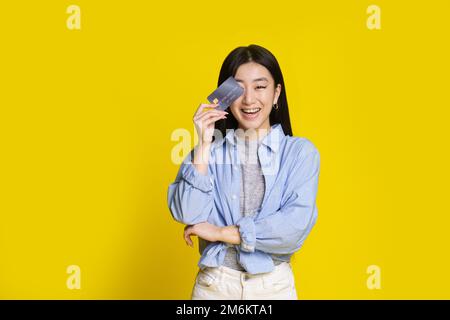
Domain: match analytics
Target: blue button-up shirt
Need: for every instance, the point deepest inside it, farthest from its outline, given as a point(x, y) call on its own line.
point(290, 166)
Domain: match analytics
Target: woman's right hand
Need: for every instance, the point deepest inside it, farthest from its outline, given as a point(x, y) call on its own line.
point(204, 121)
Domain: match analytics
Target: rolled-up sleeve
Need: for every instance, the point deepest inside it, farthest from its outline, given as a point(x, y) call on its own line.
point(247, 233)
point(190, 196)
point(284, 231)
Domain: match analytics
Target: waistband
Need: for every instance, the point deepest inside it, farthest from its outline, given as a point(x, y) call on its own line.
point(239, 274)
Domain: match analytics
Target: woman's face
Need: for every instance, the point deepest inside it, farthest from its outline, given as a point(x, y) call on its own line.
point(253, 107)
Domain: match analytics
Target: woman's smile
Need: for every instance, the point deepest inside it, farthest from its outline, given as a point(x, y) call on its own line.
point(250, 113)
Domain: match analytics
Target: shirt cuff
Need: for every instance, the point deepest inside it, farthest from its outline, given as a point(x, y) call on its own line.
point(246, 227)
point(198, 180)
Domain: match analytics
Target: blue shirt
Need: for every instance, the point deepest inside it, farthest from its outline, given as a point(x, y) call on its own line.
point(288, 212)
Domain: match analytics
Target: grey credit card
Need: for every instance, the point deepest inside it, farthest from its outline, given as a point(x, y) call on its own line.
point(226, 93)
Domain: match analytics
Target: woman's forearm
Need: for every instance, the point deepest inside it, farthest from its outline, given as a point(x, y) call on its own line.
point(230, 234)
point(201, 157)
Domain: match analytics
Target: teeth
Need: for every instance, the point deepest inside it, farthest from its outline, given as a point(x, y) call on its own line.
point(251, 110)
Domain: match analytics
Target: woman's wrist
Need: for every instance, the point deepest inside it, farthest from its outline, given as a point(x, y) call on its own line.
point(230, 234)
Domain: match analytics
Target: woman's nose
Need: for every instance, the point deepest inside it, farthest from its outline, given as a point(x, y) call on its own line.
point(248, 97)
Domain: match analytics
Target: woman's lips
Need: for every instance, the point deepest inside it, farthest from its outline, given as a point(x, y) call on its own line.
point(252, 116)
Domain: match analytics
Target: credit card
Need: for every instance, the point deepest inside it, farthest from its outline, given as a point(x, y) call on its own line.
point(226, 93)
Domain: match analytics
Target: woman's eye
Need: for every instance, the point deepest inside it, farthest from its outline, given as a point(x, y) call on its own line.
point(260, 87)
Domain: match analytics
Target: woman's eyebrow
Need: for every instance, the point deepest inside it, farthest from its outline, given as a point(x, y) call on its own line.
point(254, 80)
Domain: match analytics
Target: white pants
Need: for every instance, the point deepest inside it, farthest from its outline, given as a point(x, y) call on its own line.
point(223, 283)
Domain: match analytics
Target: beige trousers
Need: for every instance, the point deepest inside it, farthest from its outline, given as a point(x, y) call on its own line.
point(223, 283)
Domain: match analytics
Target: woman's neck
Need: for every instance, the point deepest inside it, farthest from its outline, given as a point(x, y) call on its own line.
point(252, 134)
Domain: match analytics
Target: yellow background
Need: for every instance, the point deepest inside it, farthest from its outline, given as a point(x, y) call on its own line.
point(87, 115)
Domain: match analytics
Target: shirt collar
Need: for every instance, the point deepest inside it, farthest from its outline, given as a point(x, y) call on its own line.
point(272, 140)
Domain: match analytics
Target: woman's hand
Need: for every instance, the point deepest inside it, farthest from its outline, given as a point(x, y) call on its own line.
point(204, 121)
point(204, 230)
point(213, 233)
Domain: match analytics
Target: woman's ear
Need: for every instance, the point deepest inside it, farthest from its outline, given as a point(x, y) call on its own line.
point(277, 93)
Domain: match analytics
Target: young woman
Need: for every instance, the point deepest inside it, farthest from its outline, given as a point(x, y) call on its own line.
point(249, 194)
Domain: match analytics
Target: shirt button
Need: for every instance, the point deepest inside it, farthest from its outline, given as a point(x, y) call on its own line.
point(233, 197)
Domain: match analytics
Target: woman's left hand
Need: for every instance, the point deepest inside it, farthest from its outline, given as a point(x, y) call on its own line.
point(204, 230)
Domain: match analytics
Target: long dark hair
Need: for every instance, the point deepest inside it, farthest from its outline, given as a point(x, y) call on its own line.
point(264, 57)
